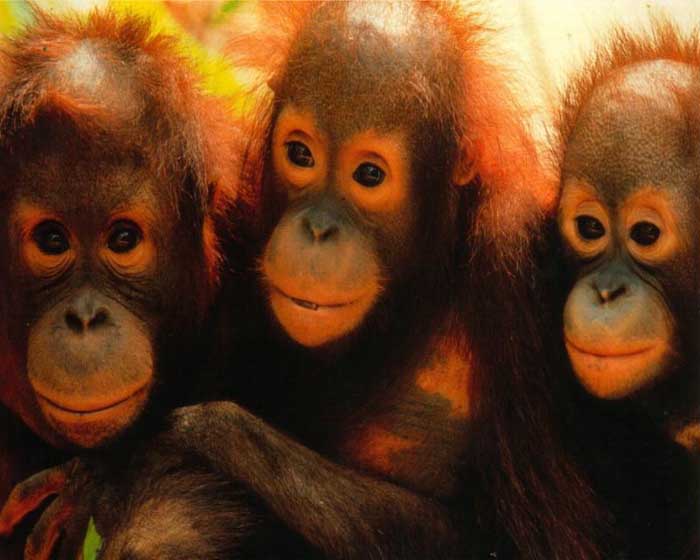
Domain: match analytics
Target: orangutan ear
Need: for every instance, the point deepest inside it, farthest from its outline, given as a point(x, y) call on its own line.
point(464, 169)
point(274, 83)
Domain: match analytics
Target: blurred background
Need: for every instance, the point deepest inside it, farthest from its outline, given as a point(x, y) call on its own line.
point(541, 40)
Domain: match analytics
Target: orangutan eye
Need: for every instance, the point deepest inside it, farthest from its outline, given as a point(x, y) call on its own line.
point(299, 154)
point(369, 175)
point(589, 227)
point(645, 233)
point(125, 236)
point(51, 238)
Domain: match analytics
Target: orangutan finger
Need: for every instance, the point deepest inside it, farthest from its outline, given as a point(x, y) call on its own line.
point(28, 495)
point(42, 540)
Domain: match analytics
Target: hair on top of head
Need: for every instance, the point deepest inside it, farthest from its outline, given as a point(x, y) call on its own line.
point(124, 87)
point(487, 120)
point(622, 47)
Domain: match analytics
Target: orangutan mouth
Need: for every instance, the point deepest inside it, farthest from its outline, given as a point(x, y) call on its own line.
point(83, 412)
point(305, 304)
point(608, 354)
point(311, 305)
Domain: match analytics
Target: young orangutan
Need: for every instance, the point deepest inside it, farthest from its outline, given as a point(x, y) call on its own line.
point(394, 402)
point(114, 171)
point(629, 219)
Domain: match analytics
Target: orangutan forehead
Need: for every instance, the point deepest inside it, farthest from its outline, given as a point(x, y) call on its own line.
point(86, 186)
point(369, 64)
point(652, 97)
point(376, 42)
point(638, 127)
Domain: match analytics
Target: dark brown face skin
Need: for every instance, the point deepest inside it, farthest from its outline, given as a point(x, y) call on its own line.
point(93, 245)
point(349, 170)
point(628, 215)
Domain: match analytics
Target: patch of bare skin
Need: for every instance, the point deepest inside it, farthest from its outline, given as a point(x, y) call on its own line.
point(395, 19)
point(393, 445)
point(447, 375)
point(689, 436)
point(653, 81)
point(85, 72)
point(83, 68)
point(375, 447)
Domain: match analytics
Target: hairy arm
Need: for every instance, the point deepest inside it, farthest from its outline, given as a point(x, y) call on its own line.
point(342, 512)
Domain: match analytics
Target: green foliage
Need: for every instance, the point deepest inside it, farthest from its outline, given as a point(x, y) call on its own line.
point(219, 78)
point(230, 6)
point(92, 543)
point(13, 13)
